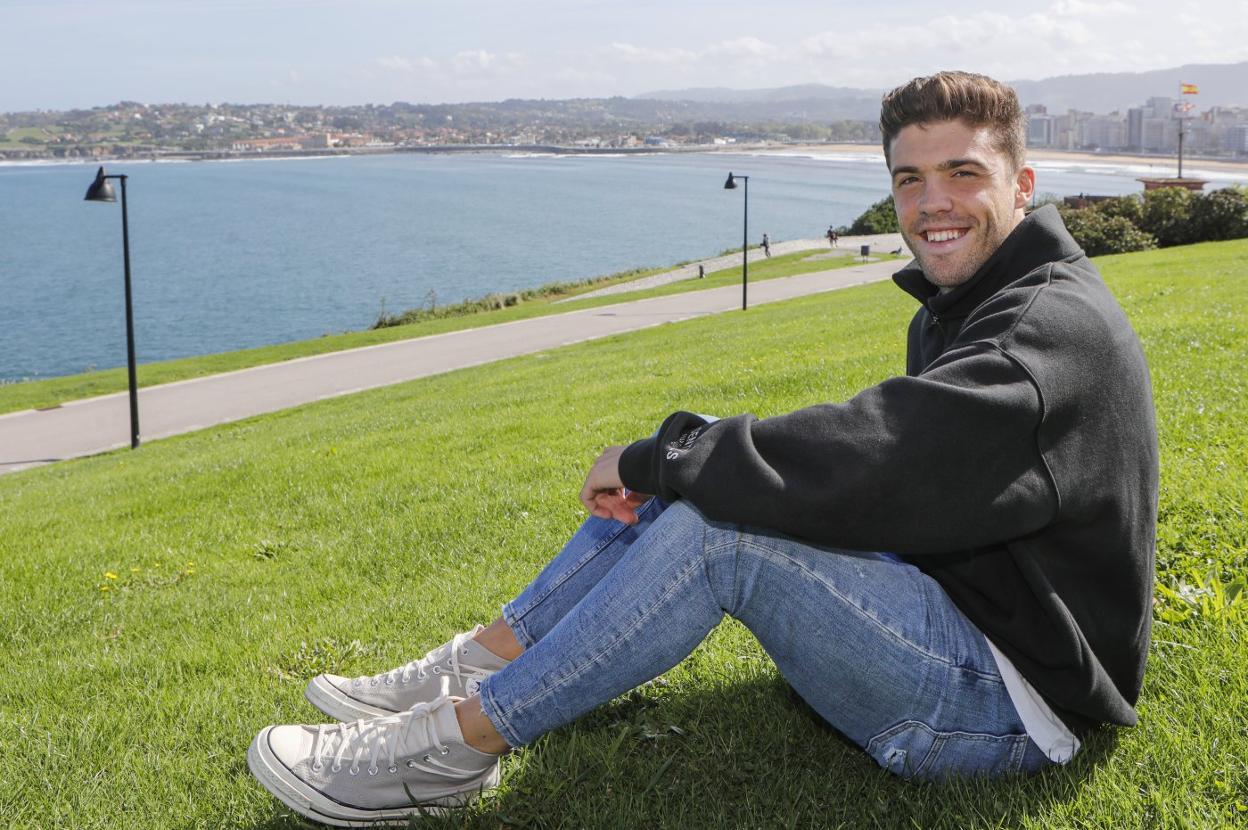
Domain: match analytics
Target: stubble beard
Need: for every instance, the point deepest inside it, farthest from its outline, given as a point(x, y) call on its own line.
point(948, 273)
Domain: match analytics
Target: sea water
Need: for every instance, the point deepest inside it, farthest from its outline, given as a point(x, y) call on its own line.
point(230, 255)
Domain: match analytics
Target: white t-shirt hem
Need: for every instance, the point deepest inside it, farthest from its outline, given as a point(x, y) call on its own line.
point(1045, 728)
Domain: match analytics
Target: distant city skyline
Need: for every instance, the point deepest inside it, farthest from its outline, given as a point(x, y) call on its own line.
point(62, 54)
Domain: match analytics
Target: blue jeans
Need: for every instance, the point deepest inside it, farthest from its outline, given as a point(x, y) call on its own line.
point(871, 643)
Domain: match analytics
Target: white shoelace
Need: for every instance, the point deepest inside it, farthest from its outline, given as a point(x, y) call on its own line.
point(383, 736)
point(433, 662)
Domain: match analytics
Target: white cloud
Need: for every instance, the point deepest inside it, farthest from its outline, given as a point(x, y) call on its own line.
point(645, 54)
point(400, 64)
point(477, 63)
point(1081, 8)
point(1067, 37)
point(746, 47)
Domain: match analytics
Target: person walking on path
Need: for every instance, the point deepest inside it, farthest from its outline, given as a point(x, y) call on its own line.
point(766, 245)
point(954, 568)
point(832, 236)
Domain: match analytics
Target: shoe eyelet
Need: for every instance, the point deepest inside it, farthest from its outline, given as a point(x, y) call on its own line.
point(389, 681)
point(437, 669)
point(444, 750)
point(411, 764)
point(372, 770)
point(317, 766)
point(428, 758)
point(336, 768)
point(392, 769)
point(373, 682)
point(353, 771)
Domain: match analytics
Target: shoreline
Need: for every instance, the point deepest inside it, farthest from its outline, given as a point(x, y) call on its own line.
point(1153, 164)
point(1166, 165)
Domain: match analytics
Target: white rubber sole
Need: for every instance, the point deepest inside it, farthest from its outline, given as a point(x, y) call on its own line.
point(309, 802)
point(325, 696)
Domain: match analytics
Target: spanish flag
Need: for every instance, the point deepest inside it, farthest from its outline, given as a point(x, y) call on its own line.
point(1188, 89)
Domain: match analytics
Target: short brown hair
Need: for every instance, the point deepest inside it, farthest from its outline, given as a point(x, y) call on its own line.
point(976, 100)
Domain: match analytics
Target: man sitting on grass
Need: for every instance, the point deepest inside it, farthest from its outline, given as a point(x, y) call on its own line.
point(1010, 477)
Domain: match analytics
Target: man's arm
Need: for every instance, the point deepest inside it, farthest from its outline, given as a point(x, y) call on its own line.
point(948, 460)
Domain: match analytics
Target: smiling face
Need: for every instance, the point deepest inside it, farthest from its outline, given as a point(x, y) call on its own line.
point(957, 195)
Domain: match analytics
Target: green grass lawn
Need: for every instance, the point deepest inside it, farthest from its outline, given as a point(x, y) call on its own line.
point(13, 139)
point(158, 607)
point(53, 391)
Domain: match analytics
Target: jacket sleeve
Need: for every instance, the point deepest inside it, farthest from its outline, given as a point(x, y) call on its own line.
point(944, 461)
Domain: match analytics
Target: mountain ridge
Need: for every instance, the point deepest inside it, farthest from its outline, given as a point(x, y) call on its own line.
point(1224, 84)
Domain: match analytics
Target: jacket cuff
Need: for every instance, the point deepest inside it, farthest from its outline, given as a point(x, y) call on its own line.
point(637, 469)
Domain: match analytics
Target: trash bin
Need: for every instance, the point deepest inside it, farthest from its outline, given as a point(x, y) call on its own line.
point(864, 251)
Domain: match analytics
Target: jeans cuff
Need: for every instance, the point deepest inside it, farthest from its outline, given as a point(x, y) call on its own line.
point(516, 625)
point(495, 715)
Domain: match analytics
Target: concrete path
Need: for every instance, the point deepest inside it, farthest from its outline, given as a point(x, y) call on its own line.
point(95, 425)
point(846, 246)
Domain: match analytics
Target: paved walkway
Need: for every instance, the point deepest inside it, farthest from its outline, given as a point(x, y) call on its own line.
point(846, 246)
point(95, 425)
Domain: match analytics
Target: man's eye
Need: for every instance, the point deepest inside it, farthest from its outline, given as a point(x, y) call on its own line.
point(964, 173)
point(906, 180)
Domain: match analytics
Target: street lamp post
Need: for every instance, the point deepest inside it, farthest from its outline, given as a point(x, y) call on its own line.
point(102, 191)
point(731, 184)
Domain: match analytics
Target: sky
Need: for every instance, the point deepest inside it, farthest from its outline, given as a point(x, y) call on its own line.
point(61, 54)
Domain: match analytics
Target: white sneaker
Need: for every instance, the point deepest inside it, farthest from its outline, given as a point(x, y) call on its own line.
point(454, 668)
point(373, 772)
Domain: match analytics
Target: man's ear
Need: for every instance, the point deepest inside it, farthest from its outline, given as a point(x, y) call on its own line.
point(1024, 186)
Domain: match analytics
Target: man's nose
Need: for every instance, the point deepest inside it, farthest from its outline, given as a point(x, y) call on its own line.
point(934, 198)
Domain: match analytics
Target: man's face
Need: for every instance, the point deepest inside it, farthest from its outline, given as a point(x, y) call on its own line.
point(957, 197)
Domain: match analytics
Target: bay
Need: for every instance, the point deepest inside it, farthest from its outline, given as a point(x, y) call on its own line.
point(230, 255)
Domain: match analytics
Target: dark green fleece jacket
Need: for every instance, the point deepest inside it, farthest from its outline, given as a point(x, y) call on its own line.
point(1016, 463)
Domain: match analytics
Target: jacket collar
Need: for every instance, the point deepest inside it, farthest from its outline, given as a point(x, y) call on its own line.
point(1039, 239)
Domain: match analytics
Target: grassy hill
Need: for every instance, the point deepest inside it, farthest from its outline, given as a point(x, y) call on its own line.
point(157, 608)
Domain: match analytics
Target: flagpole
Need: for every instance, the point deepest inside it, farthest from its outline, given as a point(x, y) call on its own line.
point(1180, 146)
point(1181, 110)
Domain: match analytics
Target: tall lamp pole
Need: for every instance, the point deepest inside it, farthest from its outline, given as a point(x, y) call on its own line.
point(731, 184)
point(102, 191)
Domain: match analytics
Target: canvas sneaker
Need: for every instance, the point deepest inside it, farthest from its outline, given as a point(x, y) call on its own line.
point(373, 772)
point(454, 668)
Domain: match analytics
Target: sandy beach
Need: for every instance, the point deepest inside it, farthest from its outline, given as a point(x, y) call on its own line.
point(1161, 165)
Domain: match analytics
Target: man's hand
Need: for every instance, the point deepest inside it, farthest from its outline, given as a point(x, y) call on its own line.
point(604, 495)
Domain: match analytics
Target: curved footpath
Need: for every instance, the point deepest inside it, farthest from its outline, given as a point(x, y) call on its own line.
point(86, 427)
point(847, 246)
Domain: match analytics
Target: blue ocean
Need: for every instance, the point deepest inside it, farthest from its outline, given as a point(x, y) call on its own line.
point(230, 255)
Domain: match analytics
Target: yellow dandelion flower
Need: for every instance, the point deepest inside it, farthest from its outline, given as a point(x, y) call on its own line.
point(110, 575)
point(104, 588)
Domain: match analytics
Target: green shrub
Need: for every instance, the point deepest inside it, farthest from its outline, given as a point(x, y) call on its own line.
point(1167, 216)
point(1099, 233)
point(881, 217)
point(1220, 214)
point(1129, 207)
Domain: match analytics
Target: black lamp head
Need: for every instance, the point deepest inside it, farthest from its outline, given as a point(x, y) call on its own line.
point(731, 184)
point(101, 190)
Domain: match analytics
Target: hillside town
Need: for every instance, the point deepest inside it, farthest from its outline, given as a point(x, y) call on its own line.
point(135, 130)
